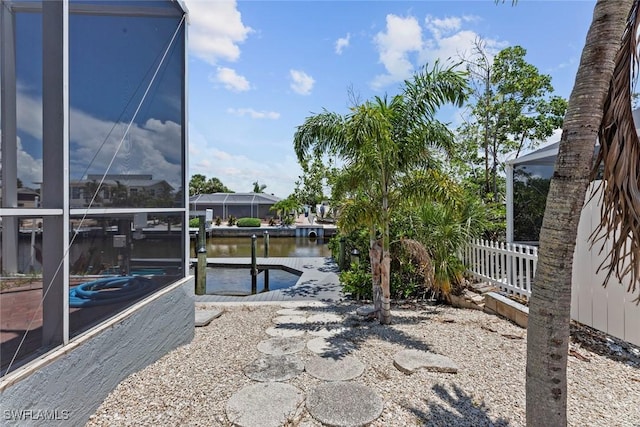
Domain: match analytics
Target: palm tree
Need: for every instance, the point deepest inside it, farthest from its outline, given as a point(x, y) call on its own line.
point(382, 142)
point(596, 89)
point(259, 188)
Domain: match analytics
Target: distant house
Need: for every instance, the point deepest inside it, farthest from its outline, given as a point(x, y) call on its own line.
point(116, 189)
point(224, 205)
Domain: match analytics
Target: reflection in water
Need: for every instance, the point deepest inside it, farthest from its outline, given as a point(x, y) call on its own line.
point(225, 247)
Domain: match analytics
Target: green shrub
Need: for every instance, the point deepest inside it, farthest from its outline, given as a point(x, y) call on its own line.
point(194, 222)
point(356, 282)
point(272, 221)
point(248, 222)
point(231, 221)
point(218, 221)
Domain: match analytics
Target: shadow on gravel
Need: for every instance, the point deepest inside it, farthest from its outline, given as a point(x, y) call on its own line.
point(462, 410)
point(356, 330)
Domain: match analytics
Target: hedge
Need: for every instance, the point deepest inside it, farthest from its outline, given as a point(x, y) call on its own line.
point(248, 222)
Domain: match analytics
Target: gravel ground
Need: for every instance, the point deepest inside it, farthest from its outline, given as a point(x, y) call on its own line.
point(191, 385)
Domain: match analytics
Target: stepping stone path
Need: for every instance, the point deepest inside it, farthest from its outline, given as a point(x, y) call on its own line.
point(346, 368)
point(344, 404)
point(264, 405)
point(274, 368)
point(337, 402)
point(279, 331)
point(330, 347)
point(281, 345)
point(409, 361)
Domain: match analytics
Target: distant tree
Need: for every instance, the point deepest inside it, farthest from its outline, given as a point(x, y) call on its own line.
point(511, 109)
point(19, 183)
point(259, 188)
point(316, 172)
point(200, 185)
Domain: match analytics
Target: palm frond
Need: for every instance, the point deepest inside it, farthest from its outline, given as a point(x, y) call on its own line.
point(324, 132)
point(620, 157)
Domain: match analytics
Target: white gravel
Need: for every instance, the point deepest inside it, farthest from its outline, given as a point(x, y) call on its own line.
point(191, 385)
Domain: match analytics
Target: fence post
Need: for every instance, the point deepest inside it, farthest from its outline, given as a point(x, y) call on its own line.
point(266, 244)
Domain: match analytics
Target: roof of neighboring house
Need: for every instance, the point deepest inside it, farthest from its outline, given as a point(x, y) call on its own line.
point(234, 199)
point(547, 154)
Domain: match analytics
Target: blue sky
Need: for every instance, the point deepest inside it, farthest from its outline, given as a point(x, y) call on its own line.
point(257, 69)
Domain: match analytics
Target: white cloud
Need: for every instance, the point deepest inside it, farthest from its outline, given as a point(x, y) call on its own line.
point(342, 43)
point(301, 82)
point(403, 46)
point(232, 80)
point(215, 30)
point(401, 37)
point(238, 172)
point(253, 113)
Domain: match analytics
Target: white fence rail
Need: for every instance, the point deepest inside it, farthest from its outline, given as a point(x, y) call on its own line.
point(511, 267)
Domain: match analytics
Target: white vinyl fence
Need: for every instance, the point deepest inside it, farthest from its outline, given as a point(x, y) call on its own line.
point(511, 267)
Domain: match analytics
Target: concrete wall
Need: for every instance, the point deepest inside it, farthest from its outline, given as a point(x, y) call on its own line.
point(68, 385)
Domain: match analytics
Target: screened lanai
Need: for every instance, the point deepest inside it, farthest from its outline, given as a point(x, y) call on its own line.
point(90, 90)
point(239, 205)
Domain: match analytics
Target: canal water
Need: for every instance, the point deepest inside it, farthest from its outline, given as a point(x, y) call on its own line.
point(230, 247)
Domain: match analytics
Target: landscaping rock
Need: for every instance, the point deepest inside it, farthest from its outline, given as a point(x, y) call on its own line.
point(264, 405)
point(204, 317)
point(324, 318)
point(409, 361)
point(344, 404)
point(366, 311)
point(327, 331)
point(274, 368)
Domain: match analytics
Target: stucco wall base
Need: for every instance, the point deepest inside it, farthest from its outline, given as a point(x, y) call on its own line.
point(71, 386)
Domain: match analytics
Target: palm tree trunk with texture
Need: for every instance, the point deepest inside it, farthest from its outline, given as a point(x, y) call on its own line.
point(550, 304)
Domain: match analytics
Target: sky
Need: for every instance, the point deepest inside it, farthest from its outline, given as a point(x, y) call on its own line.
point(257, 69)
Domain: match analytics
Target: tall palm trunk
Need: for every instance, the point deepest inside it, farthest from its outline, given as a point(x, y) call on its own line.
point(550, 305)
point(375, 256)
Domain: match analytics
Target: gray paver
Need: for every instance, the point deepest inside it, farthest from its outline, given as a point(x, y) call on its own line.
point(264, 405)
point(279, 331)
point(344, 404)
point(204, 317)
point(330, 347)
point(344, 369)
point(281, 345)
point(409, 361)
point(274, 368)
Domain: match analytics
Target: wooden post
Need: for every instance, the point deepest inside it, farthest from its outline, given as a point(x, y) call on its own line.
point(254, 265)
point(201, 271)
point(342, 253)
point(266, 244)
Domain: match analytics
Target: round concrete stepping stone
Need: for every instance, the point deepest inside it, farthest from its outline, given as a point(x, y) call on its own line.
point(274, 368)
point(281, 345)
point(284, 332)
point(330, 347)
point(295, 320)
point(325, 318)
point(409, 361)
point(264, 405)
point(327, 331)
point(344, 404)
point(343, 369)
point(291, 312)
